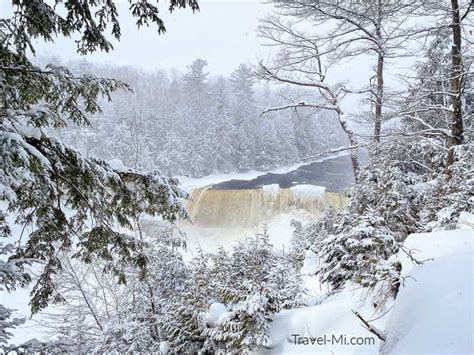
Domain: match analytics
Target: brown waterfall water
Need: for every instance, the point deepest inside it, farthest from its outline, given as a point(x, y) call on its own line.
point(250, 207)
point(232, 209)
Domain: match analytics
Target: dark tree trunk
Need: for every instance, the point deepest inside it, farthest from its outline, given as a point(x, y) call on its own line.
point(379, 98)
point(353, 143)
point(457, 129)
point(379, 76)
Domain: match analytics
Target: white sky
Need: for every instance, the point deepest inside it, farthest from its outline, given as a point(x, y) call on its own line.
point(223, 33)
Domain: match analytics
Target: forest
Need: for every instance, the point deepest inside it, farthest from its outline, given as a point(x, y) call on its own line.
point(94, 154)
point(194, 124)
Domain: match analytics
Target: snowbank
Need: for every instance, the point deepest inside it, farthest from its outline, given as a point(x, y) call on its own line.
point(328, 328)
point(288, 168)
point(189, 184)
point(433, 312)
point(117, 165)
point(424, 246)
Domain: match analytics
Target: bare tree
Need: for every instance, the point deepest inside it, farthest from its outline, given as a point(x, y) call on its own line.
point(300, 63)
point(349, 28)
point(457, 77)
point(331, 98)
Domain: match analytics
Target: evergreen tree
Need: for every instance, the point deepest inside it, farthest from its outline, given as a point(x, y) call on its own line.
point(71, 202)
point(220, 128)
point(242, 81)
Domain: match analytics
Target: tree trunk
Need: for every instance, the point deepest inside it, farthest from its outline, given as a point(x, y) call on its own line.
point(355, 164)
point(379, 75)
point(379, 98)
point(456, 83)
point(353, 142)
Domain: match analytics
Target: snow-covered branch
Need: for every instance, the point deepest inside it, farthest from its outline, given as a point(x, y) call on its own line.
point(300, 105)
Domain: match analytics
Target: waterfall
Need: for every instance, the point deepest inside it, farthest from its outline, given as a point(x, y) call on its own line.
point(249, 207)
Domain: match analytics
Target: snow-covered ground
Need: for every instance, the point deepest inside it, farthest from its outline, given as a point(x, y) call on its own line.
point(327, 328)
point(433, 313)
point(308, 190)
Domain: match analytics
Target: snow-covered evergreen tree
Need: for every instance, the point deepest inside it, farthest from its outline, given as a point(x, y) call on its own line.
point(253, 283)
point(244, 113)
point(71, 202)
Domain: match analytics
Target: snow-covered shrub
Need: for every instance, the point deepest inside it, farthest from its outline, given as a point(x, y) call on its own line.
point(310, 236)
point(361, 252)
point(450, 193)
point(183, 318)
point(139, 327)
point(259, 283)
point(231, 297)
point(7, 321)
point(405, 188)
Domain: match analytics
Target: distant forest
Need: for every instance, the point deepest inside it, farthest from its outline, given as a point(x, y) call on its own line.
point(196, 124)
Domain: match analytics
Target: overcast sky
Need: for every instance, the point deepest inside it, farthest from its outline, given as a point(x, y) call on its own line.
point(223, 33)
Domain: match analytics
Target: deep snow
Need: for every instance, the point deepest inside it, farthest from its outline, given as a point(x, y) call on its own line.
point(432, 314)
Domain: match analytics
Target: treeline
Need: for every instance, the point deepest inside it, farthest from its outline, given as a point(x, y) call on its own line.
point(195, 124)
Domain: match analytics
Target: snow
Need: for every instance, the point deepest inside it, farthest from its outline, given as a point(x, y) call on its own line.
point(308, 190)
point(310, 264)
point(433, 312)
point(289, 168)
point(164, 348)
point(425, 246)
point(333, 317)
point(216, 310)
point(189, 184)
point(117, 165)
point(465, 221)
point(16, 141)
